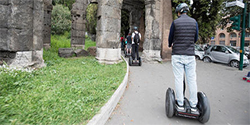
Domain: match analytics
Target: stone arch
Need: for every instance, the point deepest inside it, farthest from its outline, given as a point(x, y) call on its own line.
point(136, 10)
point(18, 46)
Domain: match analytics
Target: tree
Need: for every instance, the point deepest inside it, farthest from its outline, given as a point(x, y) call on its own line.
point(60, 19)
point(228, 12)
point(91, 18)
point(206, 13)
point(67, 3)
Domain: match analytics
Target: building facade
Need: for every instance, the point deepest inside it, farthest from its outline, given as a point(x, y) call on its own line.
point(222, 37)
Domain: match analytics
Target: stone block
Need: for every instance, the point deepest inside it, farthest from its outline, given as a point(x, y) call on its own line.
point(4, 2)
point(4, 14)
point(78, 26)
point(4, 39)
point(81, 52)
point(21, 40)
point(92, 51)
point(78, 33)
point(21, 16)
point(22, 59)
point(109, 25)
point(77, 41)
point(66, 52)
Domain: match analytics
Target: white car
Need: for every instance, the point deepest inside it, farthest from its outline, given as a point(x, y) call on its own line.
point(224, 54)
point(199, 52)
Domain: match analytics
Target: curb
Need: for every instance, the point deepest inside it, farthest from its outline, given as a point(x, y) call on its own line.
point(105, 112)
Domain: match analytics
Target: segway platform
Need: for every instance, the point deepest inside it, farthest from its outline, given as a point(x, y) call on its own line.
point(203, 107)
point(127, 54)
point(135, 62)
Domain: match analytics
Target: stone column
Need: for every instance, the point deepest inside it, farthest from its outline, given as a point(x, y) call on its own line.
point(48, 7)
point(166, 23)
point(108, 31)
point(21, 29)
point(153, 31)
point(78, 14)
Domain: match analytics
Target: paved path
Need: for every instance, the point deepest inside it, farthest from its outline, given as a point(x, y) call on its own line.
point(143, 102)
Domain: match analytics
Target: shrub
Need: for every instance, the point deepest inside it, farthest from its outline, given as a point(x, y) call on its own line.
point(60, 19)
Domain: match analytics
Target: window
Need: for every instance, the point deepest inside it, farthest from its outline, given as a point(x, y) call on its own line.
point(222, 43)
point(247, 34)
point(219, 49)
point(233, 35)
point(233, 43)
point(247, 43)
point(222, 35)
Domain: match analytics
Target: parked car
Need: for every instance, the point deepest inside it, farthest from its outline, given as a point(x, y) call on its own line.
point(246, 51)
point(224, 54)
point(199, 52)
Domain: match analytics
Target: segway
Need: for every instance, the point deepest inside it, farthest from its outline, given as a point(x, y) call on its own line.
point(203, 106)
point(127, 54)
point(131, 63)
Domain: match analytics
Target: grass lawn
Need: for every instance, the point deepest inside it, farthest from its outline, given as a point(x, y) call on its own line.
point(67, 91)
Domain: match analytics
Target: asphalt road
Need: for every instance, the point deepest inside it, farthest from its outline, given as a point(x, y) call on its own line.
point(143, 102)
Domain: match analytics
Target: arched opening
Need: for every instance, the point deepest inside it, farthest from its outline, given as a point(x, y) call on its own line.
point(233, 35)
point(222, 36)
point(91, 20)
point(133, 14)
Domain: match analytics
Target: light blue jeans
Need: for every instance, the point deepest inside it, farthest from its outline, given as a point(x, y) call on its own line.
point(187, 64)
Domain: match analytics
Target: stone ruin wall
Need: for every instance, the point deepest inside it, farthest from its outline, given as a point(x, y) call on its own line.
point(25, 27)
point(48, 7)
point(78, 15)
point(21, 37)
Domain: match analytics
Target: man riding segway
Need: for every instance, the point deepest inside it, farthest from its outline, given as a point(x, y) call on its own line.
point(182, 38)
point(136, 38)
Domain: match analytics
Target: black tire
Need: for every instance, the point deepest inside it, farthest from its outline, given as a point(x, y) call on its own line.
point(207, 60)
point(140, 63)
point(130, 61)
point(197, 57)
point(204, 107)
point(234, 63)
point(170, 103)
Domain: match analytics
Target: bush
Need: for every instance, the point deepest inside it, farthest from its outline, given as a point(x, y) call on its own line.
point(60, 19)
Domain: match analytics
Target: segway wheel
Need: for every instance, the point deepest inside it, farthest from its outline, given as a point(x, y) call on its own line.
point(140, 61)
point(170, 103)
point(130, 61)
point(204, 107)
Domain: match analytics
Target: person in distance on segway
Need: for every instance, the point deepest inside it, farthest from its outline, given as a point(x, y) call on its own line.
point(129, 42)
point(182, 38)
point(136, 38)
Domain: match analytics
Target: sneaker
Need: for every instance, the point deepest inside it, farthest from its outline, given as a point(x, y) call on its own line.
point(194, 110)
point(180, 108)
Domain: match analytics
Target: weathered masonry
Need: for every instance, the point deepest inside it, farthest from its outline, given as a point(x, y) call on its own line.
point(25, 28)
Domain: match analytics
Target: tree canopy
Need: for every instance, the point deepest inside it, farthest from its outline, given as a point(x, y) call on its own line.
point(206, 13)
point(67, 3)
point(228, 12)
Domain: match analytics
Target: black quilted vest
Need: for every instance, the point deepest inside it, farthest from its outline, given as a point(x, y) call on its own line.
point(184, 36)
